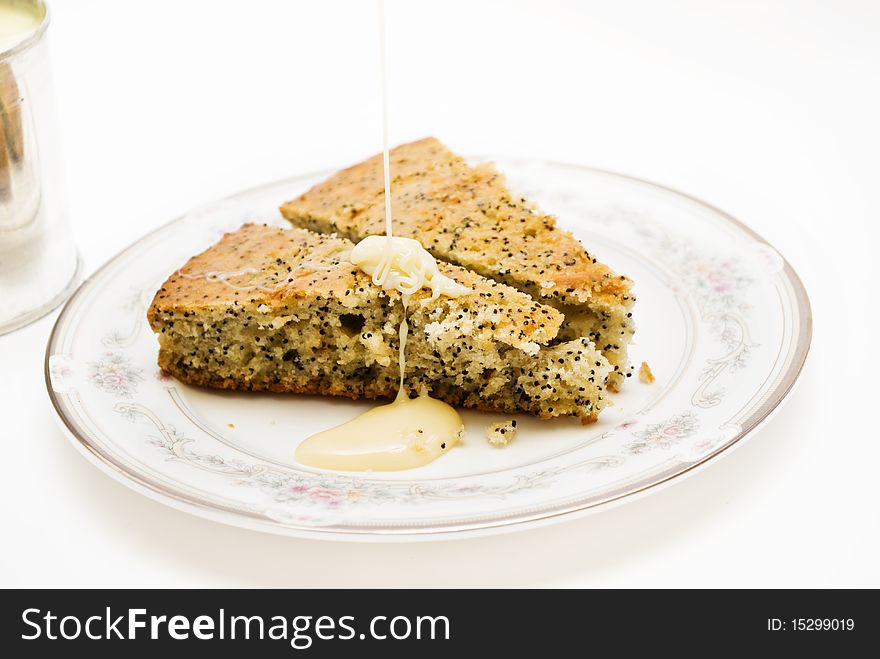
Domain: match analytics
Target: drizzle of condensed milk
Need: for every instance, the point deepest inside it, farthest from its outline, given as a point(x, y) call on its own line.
point(410, 432)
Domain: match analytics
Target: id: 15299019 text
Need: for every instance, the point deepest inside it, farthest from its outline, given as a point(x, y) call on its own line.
point(811, 625)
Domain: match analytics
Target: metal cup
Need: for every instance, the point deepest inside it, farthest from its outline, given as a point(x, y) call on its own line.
point(38, 262)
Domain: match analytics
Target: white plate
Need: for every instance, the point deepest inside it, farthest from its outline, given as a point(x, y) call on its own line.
point(722, 320)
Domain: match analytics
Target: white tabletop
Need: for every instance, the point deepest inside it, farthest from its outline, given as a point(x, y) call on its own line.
point(767, 110)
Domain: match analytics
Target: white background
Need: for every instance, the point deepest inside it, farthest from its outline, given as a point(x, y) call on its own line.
point(767, 109)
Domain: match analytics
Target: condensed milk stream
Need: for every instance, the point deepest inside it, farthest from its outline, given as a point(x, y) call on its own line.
point(410, 432)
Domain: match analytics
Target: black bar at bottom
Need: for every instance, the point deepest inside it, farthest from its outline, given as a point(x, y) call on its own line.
point(270, 623)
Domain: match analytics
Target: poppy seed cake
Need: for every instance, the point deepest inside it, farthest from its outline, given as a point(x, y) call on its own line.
point(466, 215)
point(283, 310)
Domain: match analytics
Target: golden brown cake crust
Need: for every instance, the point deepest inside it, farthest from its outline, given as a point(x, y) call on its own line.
point(265, 265)
point(462, 214)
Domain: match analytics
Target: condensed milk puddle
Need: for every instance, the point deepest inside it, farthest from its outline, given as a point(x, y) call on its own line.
point(408, 433)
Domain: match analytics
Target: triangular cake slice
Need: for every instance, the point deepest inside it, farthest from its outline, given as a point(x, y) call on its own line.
point(466, 215)
point(283, 310)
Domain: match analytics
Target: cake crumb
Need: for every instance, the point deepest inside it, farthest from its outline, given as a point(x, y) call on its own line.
point(501, 433)
point(645, 374)
point(230, 425)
